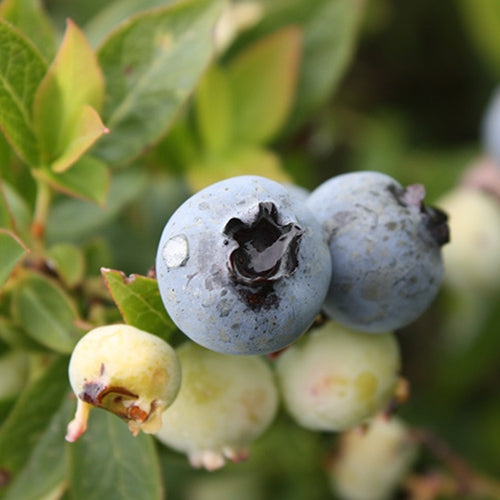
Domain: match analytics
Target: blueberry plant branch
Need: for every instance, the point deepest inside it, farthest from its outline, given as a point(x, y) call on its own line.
point(461, 478)
point(41, 211)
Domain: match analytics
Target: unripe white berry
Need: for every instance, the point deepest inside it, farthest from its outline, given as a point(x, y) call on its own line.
point(335, 378)
point(372, 462)
point(127, 371)
point(472, 258)
point(225, 402)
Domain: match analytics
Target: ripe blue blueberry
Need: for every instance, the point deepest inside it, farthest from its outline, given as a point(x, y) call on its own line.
point(490, 128)
point(243, 267)
point(385, 246)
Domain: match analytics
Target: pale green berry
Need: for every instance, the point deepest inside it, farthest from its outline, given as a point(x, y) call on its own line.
point(472, 258)
point(373, 462)
point(335, 378)
point(225, 402)
point(127, 371)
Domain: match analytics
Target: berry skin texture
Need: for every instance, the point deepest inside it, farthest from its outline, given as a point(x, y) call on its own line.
point(225, 402)
point(490, 127)
point(385, 246)
point(371, 464)
point(472, 259)
point(242, 266)
point(127, 371)
point(335, 378)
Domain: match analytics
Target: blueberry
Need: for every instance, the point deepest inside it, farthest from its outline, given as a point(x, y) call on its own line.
point(490, 127)
point(243, 267)
point(385, 246)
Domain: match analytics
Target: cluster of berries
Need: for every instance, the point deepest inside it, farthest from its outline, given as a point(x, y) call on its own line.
point(244, 268)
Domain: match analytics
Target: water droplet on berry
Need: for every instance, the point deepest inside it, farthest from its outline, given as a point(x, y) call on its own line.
point(176, 251)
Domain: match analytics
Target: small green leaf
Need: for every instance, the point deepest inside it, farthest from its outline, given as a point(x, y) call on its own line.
point(32, 416)
point(21, 71)
point(69, 263)
point(88, 179)
point(214, 110)
point(87, 128)
point(45, 469)
point(65, 116)
point(30, 17)
point(46, 312)
point(108, 462)
point(263, 81)
point(12, 252)
point(152, 62)
point(138, 299)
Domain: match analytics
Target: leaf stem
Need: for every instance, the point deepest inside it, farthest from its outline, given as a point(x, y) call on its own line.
point(42, 204)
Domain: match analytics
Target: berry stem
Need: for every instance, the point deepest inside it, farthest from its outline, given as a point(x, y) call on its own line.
point(463, 479)
point(79, 424)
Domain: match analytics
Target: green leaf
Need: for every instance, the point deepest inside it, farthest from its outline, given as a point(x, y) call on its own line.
point(263, 80)
point(13, 373)
point(45, 469)
point(330, 29)
point(116, 12)
point(88, 179)
point(31, 417)
point(214, 110)
point(108, 462)
point(15, 337)
point(65, 116)
point(138, 299)
point(85, 217)
point(16, 209)
point(151, 63)
point(12, 252)
point(5, 215)
point(30, 17)
point(46, 312)
point(69, 263)
point(21, 71)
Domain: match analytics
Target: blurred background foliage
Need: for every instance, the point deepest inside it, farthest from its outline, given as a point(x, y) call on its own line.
point(398, 87)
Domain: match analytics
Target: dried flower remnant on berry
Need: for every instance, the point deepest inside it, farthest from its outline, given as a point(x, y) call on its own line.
point(126, 371)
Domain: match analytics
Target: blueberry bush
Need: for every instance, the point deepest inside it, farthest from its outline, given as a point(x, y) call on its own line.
point(181, 318)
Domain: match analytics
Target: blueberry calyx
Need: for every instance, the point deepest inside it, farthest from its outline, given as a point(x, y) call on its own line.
point(266, 248)
point(95, 392)
point(435, 219)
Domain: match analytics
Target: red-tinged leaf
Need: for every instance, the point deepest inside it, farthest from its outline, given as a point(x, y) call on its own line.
point(65, 116)
point(138, 299)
